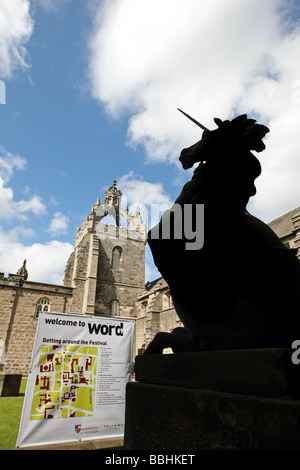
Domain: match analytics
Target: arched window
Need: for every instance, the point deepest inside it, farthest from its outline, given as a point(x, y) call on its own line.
point(116, 256)
point(115, 308)
point(43, 305)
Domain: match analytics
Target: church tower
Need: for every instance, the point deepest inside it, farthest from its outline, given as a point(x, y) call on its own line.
point(107, 267)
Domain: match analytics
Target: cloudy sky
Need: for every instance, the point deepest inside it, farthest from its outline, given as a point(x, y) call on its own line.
point(89, 91)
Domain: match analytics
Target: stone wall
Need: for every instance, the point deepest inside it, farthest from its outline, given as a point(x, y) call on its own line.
point(76, 273)
point(139, 336)
point(90, 271)
point(158, 313)
point(18, 303)
point(168, 319)
point(7, 298)
point(68, 278)
point(126, 283)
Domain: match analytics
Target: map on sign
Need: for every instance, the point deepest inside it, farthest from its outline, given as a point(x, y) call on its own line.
point(66, 381)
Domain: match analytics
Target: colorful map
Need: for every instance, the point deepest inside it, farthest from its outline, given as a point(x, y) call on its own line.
point(66, 382)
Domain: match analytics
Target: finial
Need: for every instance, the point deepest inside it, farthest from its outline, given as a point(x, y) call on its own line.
point(23, 271)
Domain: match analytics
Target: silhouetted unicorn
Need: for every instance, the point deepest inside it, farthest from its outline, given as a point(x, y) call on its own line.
point(241, 289)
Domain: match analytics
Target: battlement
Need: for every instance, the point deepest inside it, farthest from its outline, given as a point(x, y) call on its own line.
point(16, 280)
point(136, 230)
point(104, 231)
point(111, 231)
point(10, 280)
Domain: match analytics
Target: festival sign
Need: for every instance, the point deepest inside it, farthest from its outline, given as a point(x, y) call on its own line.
point(78, 374)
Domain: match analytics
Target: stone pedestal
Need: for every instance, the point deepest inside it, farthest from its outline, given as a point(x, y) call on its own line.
point(227, 400)
point(10, 384)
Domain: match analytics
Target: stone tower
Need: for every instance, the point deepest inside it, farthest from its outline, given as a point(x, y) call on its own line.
point(107, 267)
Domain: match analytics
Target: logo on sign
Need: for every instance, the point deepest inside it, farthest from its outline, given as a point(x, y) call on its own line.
point(77, 428)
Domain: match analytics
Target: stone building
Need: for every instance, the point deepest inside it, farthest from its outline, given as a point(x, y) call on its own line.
point(21, 301)
point(287, 228)
point(105, 275)
point(156, 313)
point(107, 267)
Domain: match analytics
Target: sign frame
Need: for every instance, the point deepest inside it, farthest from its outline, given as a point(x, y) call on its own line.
point(77, 380)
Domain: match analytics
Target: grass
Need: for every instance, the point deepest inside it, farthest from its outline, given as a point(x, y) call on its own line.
point(10, 415)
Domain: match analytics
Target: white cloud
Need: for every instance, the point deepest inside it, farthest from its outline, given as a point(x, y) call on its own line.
point(52, 5)
point(34, 205)
point(150, 198)
point(16, 27)
point(9, 208)
point(45, 262)
point(53, 201)
point(6, 199)
point(9, 163)
point(17, 209)
point(59, 224)
point(25, 232)
point(139, 191)
point(210, 58)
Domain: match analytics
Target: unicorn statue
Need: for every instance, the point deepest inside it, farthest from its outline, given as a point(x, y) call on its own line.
point(241, 288)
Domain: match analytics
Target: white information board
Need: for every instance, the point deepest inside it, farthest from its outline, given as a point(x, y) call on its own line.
point(76, 385)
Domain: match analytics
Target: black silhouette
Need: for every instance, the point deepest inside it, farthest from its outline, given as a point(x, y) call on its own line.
point(240, 290)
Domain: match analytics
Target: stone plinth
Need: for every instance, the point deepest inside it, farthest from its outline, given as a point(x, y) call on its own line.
point(235, 400)
point(263, 372)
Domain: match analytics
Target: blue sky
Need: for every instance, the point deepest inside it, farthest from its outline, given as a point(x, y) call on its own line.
point(92, 89)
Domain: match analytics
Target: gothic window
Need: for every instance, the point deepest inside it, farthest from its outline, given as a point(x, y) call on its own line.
point(115, 308)
point(116, 256)
point(43, 305)
point(168, 302)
